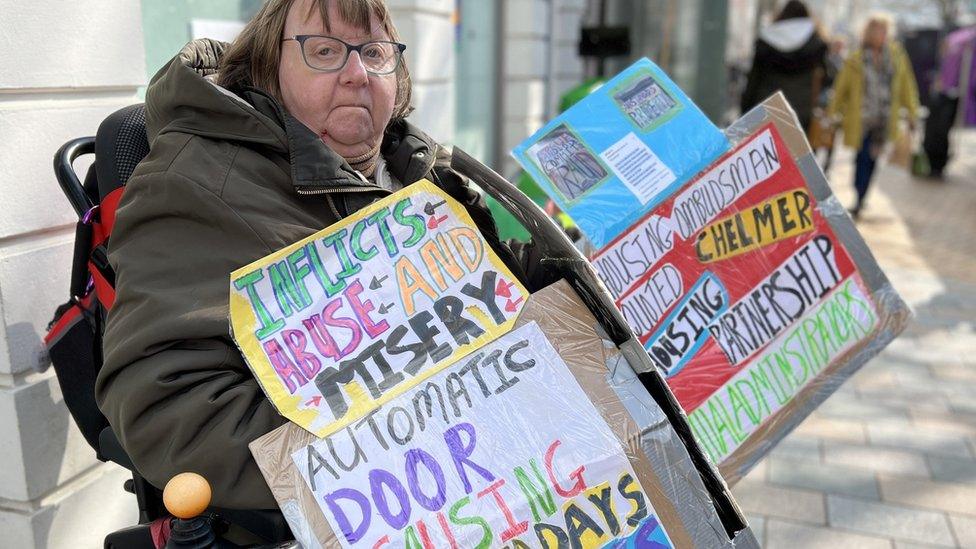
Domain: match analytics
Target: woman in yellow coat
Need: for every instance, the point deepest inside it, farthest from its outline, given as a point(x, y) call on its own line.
point(874, 87)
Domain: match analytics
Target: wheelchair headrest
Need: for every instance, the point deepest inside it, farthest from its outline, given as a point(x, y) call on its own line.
point(120, 144)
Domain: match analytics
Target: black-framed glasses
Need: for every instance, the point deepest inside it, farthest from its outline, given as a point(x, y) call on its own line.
point(329, 54)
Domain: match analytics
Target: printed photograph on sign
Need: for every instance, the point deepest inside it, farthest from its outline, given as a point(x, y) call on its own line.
point(358, 313)
point(739, 290)
point(621, 151)
point(645, 101)
point(567, 163)
point(474, 458)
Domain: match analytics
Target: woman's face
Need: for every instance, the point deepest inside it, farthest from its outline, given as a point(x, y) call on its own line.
point(349, 109)
point(877, 34)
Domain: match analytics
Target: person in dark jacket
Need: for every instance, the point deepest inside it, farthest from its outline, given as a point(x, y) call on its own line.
point(791, 56)
point(254, 146)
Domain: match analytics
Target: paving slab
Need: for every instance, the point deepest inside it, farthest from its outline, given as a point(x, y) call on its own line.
point(889, 521)
point(920, 439)
point(913, 545)
point(830, 479)
point(946, 469)
point(954, 371)
point(758, 525)
point(902, 429)
point(864, 409)
point(952, 423)
point(799, 447)
point(940, 496)
point(965, 530)
point(791, 535)
point(759, 498)
point(847, 430)
point(873, 458)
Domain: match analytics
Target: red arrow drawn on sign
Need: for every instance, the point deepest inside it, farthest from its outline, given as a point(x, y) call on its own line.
point(314, 401)
point(512, 306)
point(433, 222)
point(503, 288)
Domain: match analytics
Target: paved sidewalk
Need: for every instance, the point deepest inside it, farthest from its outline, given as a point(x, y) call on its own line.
point(889, 461)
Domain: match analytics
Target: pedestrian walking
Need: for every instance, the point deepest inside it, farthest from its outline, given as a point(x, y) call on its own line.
point(954, 88)
point(875, 85)
point(790, 55)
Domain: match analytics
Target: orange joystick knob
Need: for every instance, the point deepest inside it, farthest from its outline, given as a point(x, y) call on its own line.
point(186, 495)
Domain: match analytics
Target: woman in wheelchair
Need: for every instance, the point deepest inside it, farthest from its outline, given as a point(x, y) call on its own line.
point(253, 146)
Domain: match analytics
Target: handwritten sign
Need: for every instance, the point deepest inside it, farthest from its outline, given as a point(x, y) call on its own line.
point(357, 314)
point(621, 151)
point(483, 454)
point(739, 290)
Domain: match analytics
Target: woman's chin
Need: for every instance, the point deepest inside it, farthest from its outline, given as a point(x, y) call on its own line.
point(348, 145)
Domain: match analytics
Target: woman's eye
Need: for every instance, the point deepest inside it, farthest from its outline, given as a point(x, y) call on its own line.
point(375, 52)
point(325, 52)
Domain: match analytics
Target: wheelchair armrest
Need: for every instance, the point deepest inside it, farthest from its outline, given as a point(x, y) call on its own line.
point(267, 524)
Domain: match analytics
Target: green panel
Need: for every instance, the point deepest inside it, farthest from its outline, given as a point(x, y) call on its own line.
point(475, 84)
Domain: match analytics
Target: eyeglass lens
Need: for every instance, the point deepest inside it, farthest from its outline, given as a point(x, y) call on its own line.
point(329, 54)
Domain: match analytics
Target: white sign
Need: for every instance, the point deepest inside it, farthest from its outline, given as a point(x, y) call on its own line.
point(502, 446)
point(638, 167)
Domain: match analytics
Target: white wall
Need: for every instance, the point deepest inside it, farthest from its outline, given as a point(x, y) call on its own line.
point(427, 27)
point(64, 66)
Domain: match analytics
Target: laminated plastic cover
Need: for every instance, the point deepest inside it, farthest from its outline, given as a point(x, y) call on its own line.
point(891, 314)
point(621, 150)
point(554, 439)
point(751, 290)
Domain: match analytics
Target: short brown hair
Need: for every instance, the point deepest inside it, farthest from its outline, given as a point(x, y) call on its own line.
point(254, 57)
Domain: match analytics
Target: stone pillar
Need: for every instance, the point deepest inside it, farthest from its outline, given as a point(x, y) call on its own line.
point(568, 69)
point(427, 28)
point(525, 67)
point(64, 66)
point(540, 63)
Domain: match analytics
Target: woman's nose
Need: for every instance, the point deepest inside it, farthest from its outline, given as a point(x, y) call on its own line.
point(354, 72)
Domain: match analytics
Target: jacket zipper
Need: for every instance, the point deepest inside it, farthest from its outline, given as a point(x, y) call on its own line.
point(327, 191)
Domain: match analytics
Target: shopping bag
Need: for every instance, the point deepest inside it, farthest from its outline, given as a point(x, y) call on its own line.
point(901, 152)
point(920, 164)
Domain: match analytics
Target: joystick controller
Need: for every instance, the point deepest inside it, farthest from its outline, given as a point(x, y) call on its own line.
point(186, 496)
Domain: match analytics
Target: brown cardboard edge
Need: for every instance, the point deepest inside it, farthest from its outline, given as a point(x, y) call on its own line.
point(893, 314)
point(741, 461)
point(560, 299)
point(554, 308)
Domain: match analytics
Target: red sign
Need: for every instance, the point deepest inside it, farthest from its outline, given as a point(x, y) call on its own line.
point(738, 275)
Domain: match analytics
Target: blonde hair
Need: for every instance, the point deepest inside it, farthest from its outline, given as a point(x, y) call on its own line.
point(255, 56)
point(882, 18)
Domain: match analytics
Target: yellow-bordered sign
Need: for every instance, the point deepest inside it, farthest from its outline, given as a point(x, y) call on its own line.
point(354, 315)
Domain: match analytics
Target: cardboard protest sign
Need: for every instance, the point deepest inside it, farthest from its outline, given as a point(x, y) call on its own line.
point(749, 295)
point(831, 353)
point(738, 276)
point(751, 290)
point(357, 314)
point(541, 438)
point(621, 150)
point(490, 444)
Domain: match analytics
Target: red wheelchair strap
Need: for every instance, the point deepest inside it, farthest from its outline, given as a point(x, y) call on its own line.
point(104, 291)
point(101, 231)
point(107, 210)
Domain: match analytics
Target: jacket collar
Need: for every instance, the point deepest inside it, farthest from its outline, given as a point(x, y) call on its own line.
point(409, 152)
